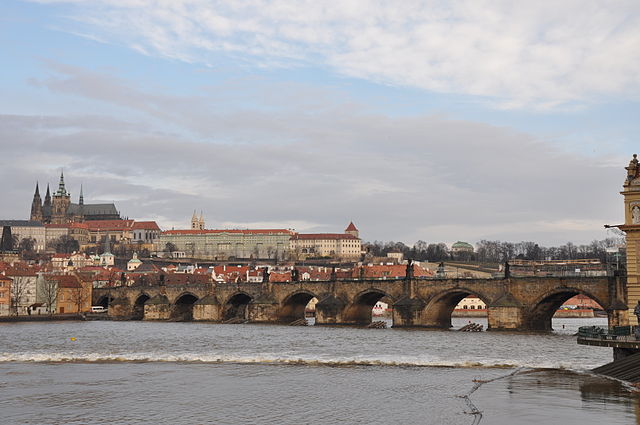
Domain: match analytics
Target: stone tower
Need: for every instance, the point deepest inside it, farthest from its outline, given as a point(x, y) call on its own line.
point(60, 203)
point(197, 223)
point(194, 221)
point(36, 206)
point(631, 226)
point(47, 198)
point(352, 230)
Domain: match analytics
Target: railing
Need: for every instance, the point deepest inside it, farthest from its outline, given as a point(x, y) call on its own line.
point(614, 333)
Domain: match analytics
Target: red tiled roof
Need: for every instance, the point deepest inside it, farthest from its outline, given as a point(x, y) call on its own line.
point(351, 227)
point(186, 278)
point(320, 236)
point(243, 231)
point(22, 272)
point(110, 225)
point(147, 225)
point(78, 226)
point(65, 280)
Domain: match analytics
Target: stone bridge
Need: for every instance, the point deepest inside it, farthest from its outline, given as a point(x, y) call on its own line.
point(515, 303)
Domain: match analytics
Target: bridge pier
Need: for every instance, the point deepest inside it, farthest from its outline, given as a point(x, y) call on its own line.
point(157, 308)
point(262, 309)
point(330, 310)
point(407, 312)
point(207, 309)
point(618, 316)
point(120, 308)
point(505, 318)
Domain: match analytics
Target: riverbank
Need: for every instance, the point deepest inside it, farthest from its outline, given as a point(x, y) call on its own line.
point(42, 318)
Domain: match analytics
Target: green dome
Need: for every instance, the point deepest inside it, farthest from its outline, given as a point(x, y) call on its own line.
point(463, 245)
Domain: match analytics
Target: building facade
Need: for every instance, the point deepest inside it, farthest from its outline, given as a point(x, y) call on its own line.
point(631, 226)
point(5, 295)
point(23, 229)
point(145, 233)
point(23, 289)
point(226, 244)
point(345, 245)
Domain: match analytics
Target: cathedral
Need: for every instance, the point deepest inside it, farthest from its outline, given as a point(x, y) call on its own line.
point(58, 209)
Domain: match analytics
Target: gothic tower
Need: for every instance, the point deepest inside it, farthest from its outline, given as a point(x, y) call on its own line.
point(60, 203)
point(46, 207)
point(194, 221)
point(36, 206)
point(631, 226)
point(201, 221)
point(47, 198)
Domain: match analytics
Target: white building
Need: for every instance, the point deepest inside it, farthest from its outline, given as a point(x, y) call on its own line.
point(23, 229)
point(345, 245)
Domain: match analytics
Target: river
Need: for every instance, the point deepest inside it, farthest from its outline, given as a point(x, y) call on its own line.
point(196, 373)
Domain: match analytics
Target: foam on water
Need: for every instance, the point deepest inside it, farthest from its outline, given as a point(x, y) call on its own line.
point(186, 357)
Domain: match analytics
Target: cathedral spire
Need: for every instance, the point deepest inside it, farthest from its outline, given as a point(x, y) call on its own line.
point(47, 197)
point(61, 189)
point(36, 205)
point(81, 201)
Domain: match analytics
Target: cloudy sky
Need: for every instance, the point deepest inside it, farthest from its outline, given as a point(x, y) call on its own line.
point(430, 120)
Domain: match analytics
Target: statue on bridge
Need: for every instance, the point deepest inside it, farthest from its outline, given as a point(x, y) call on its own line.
point(409, 273)
point(265, 275)
point(295, 275)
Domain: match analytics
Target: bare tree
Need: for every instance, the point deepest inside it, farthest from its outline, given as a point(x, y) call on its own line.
point(64, 244)
point(78, 296)
point(18, 291)
point(49, 292)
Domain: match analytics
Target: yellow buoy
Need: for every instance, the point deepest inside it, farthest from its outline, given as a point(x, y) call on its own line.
point(73, 339)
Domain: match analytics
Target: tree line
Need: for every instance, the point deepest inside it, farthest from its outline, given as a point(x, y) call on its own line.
point(498, 251)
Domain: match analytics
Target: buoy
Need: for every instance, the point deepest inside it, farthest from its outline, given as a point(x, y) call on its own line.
point(73, 339)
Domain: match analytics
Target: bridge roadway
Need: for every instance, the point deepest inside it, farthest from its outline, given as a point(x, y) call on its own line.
point(514, 303)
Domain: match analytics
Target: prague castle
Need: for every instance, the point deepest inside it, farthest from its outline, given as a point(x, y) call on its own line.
point(58, 209)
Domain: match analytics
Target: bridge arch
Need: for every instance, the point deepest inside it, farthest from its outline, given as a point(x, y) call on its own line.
point(137, 312)
point(182, 309)
point(543, 308)
point(236, 306)
point(360, 309)
point(439, 308)
point(104, 301)
point(294, 305)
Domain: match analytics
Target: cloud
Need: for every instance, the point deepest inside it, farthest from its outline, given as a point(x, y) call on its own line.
point(402, 178)
point(541, 55)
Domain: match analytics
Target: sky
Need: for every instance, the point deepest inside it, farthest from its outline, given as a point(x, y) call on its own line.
point(417, 120)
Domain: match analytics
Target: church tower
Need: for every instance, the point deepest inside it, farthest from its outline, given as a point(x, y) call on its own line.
point(352, 230)
point(197, 223)
point(60, 203)
point(194, 221)
point(36, 206)
point(631, 226)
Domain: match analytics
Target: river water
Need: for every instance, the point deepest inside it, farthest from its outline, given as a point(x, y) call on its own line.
point(194, 373)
